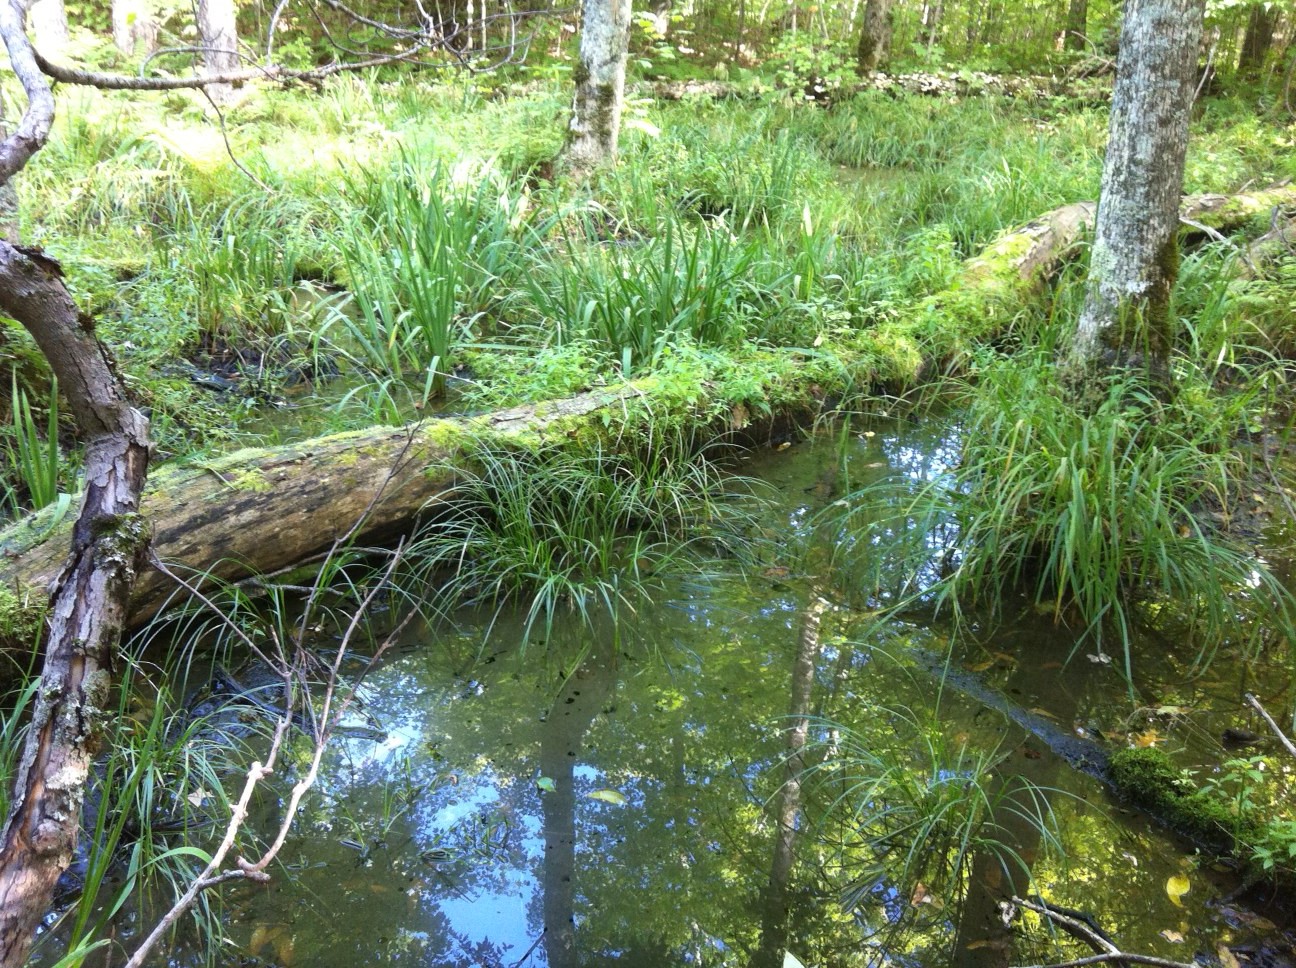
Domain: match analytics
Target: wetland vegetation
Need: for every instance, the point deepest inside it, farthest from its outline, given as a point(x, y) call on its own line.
point(687, 533)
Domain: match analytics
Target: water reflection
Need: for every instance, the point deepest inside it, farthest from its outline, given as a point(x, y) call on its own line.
point(580, 805)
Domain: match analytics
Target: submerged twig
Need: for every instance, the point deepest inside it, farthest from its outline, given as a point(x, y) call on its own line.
point(1106, 950)
point(1283, 738)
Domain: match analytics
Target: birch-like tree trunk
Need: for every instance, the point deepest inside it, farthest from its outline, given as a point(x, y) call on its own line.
point(50, 24)
point(134, 29)
point(600, 84)
point(1126, 322)
point(875, 36)
point(218, 34)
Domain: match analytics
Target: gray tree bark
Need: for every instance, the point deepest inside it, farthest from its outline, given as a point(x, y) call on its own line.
point(1125, 322)
point(875, 36)
point(50, 24)
point(134, 30)
point(90, 597)
point(600, 84)
point(218, 34)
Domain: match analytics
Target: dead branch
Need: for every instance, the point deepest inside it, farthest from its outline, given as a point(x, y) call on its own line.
point(1283, 738)
point(1106, 951)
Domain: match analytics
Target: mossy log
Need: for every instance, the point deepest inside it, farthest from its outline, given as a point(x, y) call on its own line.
point(924, 83)
point(261, 510)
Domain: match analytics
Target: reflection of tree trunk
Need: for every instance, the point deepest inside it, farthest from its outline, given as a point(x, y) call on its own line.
point(581, 699)
point(773, 941)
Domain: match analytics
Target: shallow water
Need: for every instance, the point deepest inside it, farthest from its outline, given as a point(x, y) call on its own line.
point(610, 797)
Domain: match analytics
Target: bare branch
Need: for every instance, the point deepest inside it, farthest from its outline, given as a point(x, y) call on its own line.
point(1283, 738)
point(34, 128)
point(1106, 950)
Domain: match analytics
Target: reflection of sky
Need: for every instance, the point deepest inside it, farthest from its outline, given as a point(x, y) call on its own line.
point(441, 801)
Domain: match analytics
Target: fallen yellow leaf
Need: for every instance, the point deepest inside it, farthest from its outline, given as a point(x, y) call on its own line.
point(1176, 887)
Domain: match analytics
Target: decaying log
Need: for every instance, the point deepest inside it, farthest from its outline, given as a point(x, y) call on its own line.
point(925, 83)
point(261, 510)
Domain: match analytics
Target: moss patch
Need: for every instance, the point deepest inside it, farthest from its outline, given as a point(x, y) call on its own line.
point(1148, 779)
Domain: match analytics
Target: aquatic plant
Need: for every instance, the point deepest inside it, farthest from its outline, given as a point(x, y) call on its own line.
point(908, 815)
point(588, 534)
point(1112, 518)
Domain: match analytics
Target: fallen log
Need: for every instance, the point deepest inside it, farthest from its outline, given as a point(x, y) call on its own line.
point(923, 83)
point(261, 510)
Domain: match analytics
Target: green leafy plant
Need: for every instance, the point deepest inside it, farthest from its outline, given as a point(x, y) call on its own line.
point(590, 534)
point(37, 463)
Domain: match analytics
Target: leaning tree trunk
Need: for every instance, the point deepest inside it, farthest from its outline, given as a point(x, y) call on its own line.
point(600, 84)
point(1258, 38)
point(49, 21)
point(1077, 25)
point(90, 596)
point(1125, 322)
point(875, 36)
point(88, 607)
point(219, 38)
point(134, 30)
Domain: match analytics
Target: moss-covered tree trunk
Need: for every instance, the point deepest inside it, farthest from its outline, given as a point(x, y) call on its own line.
point(134, 29)
point(600, 84)
point(875, 36)
point(1077, 25)
point(1125, 323)
point(219, 38)
point(1261, 20)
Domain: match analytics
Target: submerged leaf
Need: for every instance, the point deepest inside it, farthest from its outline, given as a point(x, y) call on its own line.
point(608, 796)
point(1176, 887)
point(546, 784)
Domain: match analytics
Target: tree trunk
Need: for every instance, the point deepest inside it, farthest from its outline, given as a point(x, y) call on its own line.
point(218, 35)
point(134, 30)
point(50, 23)
point(88, 607)
point(1125, 322)
point(1258, 38)
point(875, 37)
point(600, 84)
point(1077, 25)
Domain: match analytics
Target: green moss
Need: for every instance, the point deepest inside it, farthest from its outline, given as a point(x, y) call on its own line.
point(22, 618)
point(1148, 779)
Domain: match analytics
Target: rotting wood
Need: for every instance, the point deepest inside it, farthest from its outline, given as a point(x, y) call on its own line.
point(260, 510)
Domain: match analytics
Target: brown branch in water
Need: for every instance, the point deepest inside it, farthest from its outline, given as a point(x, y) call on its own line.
point(1283, 738)
point(1106, 951)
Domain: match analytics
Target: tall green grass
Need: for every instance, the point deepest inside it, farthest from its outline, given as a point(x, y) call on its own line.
point(585, 534)
point(1113, 519)
point(36, 463)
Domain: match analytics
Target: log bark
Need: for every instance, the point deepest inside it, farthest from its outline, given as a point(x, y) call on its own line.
point(90, 595)
point(88, 605)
